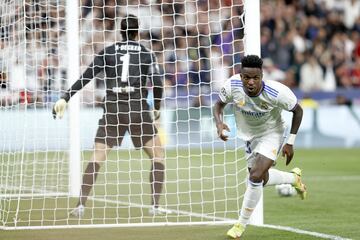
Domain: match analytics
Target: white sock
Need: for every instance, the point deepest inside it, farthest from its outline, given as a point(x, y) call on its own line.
point(279, 177)
point(251, 198)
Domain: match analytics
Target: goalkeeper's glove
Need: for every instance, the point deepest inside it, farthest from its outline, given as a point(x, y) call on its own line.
point(156, 114)
point(59, 108)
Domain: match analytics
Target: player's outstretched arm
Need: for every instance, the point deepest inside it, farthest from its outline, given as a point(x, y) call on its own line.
point(288, 150)
point(60, 105)
point(218, 115)
point(158, 92)
point(157, 82)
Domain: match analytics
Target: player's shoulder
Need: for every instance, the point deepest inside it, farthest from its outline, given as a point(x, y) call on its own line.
point(109, 50)
point(235, 80)
point(144, 49)
point(274, 88)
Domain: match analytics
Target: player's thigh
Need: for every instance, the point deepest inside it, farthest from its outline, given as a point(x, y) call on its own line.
point(268, 146)
point(112, 128)
point(259, 170)
point(141, 129)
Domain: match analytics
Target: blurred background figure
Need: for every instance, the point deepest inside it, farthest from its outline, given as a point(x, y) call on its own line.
point(311, 75)
point(309, 45)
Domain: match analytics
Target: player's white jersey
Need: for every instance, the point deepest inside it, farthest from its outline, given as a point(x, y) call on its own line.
point(256, 116)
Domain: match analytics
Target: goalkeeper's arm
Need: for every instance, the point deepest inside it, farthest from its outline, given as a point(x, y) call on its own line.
point(158, 86)
point(157, 91)
point(60, 106)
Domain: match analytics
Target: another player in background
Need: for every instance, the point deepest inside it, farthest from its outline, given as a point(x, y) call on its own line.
point(258, 106)
point(127, 66)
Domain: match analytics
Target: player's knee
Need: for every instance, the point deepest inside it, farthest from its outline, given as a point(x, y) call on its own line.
point(256, 177)
point(159, 154)
point(158, 159)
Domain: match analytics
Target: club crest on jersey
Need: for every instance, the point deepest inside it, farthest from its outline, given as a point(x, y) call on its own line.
point(264, 106)
point(240, 103)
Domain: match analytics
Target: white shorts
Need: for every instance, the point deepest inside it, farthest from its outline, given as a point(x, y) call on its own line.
point(268, 145)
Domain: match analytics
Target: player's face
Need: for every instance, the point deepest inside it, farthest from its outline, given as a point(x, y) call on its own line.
point(252, 80)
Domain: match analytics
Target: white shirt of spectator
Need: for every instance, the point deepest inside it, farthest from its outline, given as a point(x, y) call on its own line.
point(260, 115)
point(311, 76)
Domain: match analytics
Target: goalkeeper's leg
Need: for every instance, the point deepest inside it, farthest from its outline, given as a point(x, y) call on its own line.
point(89, 177)
point(155, 151)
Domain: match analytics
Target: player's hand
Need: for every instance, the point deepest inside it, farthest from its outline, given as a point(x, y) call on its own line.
point(59, 108)
point(288, 151)
point(156, 114)
point(220, 131)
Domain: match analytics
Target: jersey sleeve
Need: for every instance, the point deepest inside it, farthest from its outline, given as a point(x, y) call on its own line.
point(154, 68)
point(286, 98)
point(94, 68)
point(156, 81)
point(225, 93)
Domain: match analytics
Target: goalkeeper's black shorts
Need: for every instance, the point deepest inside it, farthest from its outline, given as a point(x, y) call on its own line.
point(115, 124)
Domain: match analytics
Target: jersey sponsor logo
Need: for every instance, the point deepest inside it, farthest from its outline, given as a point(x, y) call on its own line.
point(126, 89)
point(256, 115)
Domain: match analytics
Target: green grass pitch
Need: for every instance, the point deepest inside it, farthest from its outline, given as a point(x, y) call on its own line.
point(332, 177)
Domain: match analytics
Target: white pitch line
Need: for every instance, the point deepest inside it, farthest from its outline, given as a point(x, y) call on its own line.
point(186, 213)
point(220, 220)
point(300, 231)
point(213, 221)
point(332, 178)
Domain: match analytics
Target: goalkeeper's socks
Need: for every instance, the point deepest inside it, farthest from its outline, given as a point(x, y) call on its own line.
point(251, 198)
point(89, 178)
point(156, 181)
point(280, 177)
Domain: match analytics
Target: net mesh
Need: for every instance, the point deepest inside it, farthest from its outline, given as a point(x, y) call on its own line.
point(198, 44)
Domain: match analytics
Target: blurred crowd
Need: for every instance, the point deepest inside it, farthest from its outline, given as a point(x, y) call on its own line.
point(313, 45)
point(307, 44)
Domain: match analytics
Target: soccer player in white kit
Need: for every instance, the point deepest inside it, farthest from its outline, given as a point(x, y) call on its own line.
point(258, 106)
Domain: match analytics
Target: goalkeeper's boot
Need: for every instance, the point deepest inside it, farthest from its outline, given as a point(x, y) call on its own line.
point(299, 185)
point(78, 212)
point(158, 211)
point(236, 231)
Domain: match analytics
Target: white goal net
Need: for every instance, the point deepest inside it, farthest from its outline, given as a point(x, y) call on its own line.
point(198, 44)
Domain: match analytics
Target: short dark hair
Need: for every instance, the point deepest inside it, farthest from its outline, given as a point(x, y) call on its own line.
point(129, 27)
point(251, 61)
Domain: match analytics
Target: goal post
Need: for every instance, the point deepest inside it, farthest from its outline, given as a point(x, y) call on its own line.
point(73, 73)
point(252, 46)
point(197, 44)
